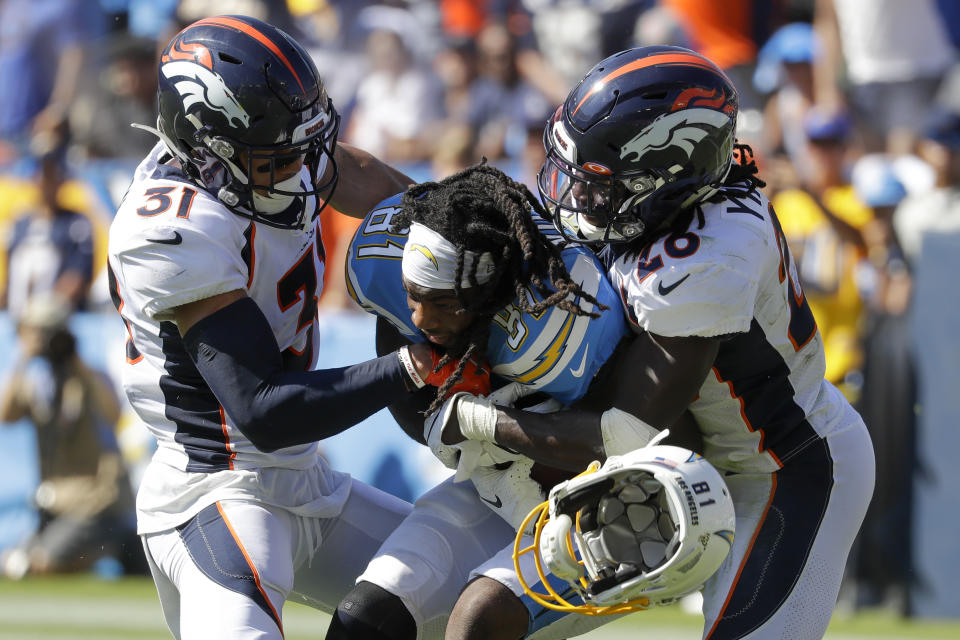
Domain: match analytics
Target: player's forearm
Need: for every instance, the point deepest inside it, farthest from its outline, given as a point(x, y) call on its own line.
point(568, 439)
point(276, 408)
point(364, 181)
point(295, 408)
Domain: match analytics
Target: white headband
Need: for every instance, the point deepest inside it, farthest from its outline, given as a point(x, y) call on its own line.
point(430, 260)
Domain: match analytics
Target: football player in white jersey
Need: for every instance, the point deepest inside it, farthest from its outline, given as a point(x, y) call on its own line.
point(215, 265)
point(642, 164)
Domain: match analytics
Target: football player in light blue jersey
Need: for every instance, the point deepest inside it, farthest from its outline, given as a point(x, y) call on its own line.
point(552, 350)
point(469, 265)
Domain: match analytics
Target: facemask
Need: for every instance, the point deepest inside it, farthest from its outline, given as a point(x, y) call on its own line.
point(271, 203)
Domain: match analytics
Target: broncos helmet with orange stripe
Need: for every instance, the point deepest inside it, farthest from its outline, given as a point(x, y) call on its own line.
point(237, 95)
point(644, 529)
point(646, 134)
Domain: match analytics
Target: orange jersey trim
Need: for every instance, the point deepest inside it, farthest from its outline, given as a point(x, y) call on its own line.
point(226, 438)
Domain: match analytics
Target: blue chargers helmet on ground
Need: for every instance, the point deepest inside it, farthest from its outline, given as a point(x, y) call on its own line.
point(646, 134)
point(235, 92)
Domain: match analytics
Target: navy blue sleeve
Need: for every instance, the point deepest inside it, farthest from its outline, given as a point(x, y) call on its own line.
point(236, 353)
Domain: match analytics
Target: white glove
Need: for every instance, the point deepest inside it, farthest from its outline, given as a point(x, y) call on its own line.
point(508, 394)
point(475, 454)
point(547, 406)
point(478, 415)
point(510, 492)
point(464, 456)
point(433, 428)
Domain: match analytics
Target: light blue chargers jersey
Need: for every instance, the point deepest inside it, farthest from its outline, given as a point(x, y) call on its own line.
point(554, 351)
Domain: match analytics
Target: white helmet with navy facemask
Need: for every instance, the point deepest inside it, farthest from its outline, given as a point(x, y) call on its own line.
point(643, 529)
point(240, 103)
point(647, 134)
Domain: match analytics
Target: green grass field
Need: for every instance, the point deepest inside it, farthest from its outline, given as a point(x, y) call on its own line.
point(72, 608)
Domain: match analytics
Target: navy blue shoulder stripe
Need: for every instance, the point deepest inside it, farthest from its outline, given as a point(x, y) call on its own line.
point(192, 407)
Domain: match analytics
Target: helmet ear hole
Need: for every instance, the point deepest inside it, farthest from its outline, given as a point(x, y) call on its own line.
point(226, 57)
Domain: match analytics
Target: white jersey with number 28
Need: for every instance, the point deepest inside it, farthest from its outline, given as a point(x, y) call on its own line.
point(730, 274)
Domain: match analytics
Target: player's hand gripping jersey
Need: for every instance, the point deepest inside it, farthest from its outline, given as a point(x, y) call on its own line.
point(173, 243)
point(769, 372)
point(555, 352)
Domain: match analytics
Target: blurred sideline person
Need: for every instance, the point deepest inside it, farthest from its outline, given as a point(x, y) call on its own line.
point(215, 266)
point(50, 249)
point(470, 265)
point(642, 163)
point(823, 220)
point(890, 395)
point(84, 499)
point(893, 56)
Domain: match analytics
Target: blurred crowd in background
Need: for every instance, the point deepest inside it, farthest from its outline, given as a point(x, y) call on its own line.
point(851, 108)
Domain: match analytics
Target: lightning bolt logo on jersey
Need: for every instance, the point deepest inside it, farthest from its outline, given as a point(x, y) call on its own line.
point(555, 351)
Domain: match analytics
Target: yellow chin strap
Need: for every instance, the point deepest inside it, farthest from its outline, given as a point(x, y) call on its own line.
point(552, 599)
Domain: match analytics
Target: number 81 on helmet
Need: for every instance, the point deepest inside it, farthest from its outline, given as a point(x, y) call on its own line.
point(643, 529)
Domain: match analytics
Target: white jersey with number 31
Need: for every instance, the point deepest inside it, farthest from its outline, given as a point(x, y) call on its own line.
point(172, 243)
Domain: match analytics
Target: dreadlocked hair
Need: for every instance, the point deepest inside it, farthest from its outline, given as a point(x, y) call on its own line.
point(481, 209)
point(744, 169)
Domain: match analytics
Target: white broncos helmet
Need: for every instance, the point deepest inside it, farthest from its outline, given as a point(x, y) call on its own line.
point(643, 529)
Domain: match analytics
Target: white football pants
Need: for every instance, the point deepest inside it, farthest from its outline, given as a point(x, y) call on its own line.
point(225, 574)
